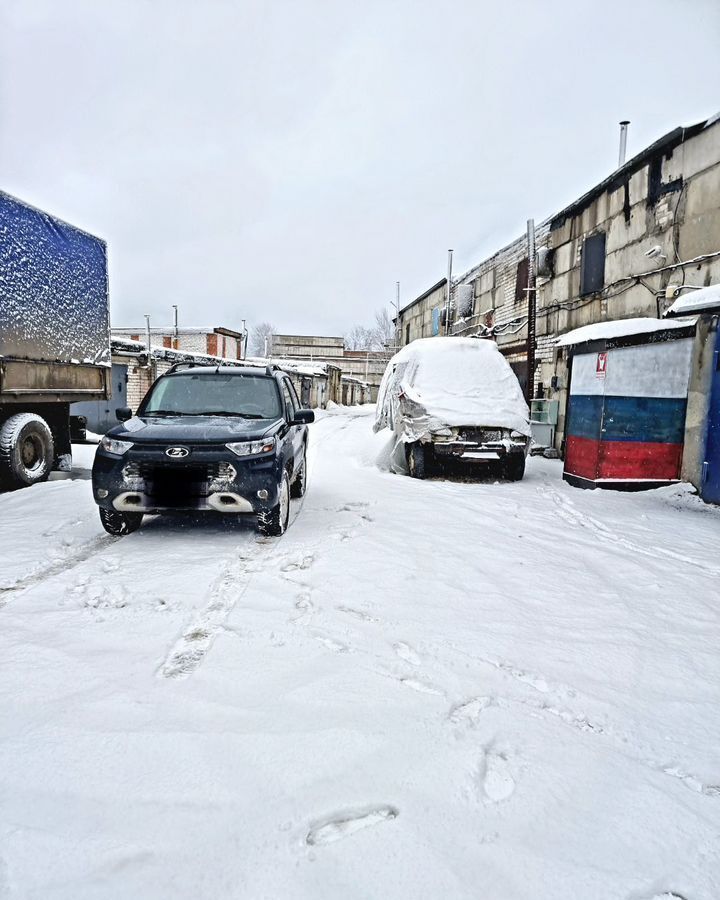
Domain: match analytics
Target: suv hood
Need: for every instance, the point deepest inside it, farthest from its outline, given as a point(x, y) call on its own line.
point(192, 429)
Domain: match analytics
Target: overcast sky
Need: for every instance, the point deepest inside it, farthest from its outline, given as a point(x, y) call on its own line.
point(290, 161)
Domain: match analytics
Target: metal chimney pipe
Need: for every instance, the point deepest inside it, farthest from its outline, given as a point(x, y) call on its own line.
point(623, 142)
point(147, 335)
point(449, 293)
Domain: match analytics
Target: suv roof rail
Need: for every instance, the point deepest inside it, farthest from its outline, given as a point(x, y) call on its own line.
point(271, 368)
point(187, 365)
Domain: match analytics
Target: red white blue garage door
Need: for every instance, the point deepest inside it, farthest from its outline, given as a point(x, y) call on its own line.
point(626, 418)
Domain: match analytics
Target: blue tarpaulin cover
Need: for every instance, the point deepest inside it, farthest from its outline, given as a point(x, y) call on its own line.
point(53, 288)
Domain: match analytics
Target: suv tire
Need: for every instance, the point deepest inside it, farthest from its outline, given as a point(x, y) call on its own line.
point(416, 460)
point(27, 450)
point(274, 522)
point(299, 484)
point(119, 523)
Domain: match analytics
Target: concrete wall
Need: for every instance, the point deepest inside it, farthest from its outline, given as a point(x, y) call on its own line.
point(301, 346)
point(701, 373)
point(416, 318)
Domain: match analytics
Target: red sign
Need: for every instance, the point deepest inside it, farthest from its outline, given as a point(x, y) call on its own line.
point(601, 365)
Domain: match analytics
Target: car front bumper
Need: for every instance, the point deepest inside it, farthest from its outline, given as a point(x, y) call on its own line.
point(212, 480)
point(479, 451)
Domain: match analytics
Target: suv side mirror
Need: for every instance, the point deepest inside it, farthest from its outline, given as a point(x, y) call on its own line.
point(304, 417)
point(123, 413)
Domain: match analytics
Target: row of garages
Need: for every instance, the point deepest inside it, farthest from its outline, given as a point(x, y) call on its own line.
point(134, 370)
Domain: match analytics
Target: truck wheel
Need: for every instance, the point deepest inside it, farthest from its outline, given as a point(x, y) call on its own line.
point(27, 450)
point(297, 488)
point(416, 460)
point(513, 467)
point(274, 522)
point(120, 523)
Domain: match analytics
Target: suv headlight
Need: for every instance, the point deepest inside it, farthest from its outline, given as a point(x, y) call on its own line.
point(112, 445)
point(252, 448)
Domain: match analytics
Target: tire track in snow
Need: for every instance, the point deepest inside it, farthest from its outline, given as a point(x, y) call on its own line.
point(193, 645)
point(567, 510)
point(58, 567)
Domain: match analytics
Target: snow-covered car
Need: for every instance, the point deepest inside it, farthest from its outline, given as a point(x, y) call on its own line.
point(222, 439)
point(451, 398)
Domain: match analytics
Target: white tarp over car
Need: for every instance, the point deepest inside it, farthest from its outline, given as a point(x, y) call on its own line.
point(442, 382)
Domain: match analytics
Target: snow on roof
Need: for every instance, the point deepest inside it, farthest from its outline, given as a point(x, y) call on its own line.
point(619, 328)
point(696, 301)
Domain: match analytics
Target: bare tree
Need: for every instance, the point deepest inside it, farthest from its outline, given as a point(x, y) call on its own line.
point(359, 338)
point(383, 330)
point(259, 334)
point(378, 337)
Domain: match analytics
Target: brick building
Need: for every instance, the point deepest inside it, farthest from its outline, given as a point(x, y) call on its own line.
point(223, 342)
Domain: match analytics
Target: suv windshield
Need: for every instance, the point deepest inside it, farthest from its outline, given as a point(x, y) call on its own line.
point(249, 396)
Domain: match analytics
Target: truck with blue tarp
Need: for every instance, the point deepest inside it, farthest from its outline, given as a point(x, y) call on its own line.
point(54, 337)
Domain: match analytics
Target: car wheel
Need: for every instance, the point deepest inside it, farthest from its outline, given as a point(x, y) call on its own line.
point(299, 484)
point(416, 460)
point(119, 523)
point(274, 522)
point(27, 450)
point(513, 467)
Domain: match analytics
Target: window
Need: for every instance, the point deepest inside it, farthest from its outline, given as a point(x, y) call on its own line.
point(245, 396)
point(592, 265)
point(407, 334)
point(290, 404)
point(521, 279)
point(293, 394)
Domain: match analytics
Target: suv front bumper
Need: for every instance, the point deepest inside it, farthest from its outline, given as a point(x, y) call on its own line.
point(210, 479)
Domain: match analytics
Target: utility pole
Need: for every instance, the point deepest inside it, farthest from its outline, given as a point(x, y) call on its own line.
point(398, 333)
point(449, 293)
point(530, 389)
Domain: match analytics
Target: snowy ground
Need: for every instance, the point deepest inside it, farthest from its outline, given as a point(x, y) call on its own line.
point(423, 690)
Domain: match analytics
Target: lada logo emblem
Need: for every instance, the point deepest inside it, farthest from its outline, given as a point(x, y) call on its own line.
point(177, 452)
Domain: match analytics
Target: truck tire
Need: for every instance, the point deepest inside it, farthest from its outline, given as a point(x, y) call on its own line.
point(513, 467)
point(27, 450)
point(416, 460)
point(120, 523)
point(274, 522)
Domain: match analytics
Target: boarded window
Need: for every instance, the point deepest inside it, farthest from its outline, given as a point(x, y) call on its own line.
point(521, 281)
point(592, 265)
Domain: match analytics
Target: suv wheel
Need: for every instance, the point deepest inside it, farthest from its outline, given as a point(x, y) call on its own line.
point(119, 523)
point(297, 488)
point(274, 522)
point(416, 460)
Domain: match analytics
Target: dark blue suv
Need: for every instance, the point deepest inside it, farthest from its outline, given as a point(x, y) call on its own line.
point(222, 438)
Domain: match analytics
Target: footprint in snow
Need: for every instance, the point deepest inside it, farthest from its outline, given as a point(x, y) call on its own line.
point(406, 652)
point(421, 686)
point(341, 825)
point(497, 782)
point(357, 613)
point(469, 711)
point(333, 645)
point(302, 564)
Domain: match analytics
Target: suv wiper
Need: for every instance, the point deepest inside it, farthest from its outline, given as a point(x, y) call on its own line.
point(239, 415)
point(168, 412)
